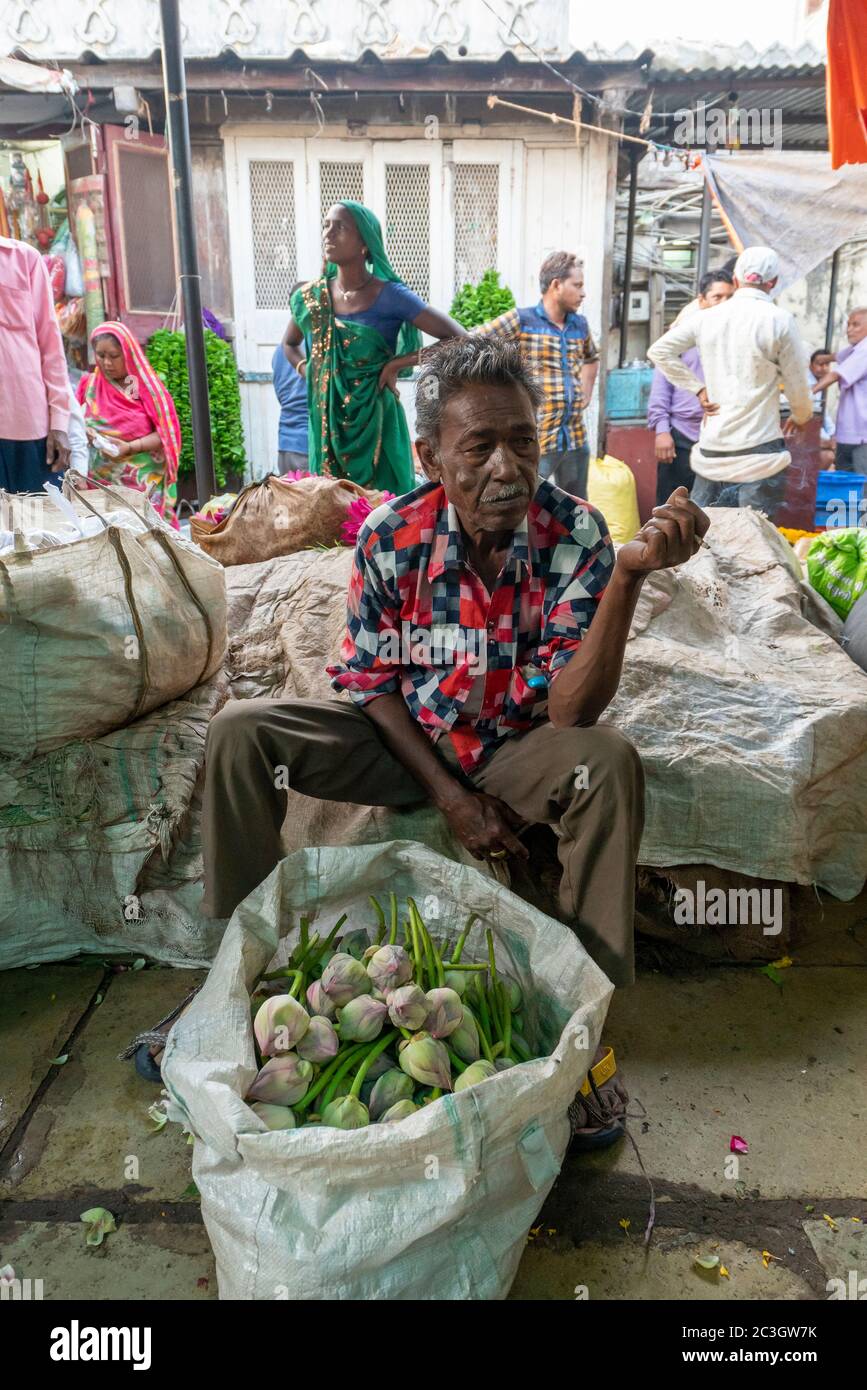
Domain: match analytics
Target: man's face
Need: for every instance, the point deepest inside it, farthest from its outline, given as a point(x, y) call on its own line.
point(820, 363)
point(716, 293)
point(487, 456)
point(856, 328)
point(570, 291)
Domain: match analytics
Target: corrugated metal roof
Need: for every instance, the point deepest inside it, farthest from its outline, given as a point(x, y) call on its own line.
point(696, 60)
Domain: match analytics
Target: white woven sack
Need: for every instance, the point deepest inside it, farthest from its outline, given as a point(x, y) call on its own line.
point(101, 630)
point(435, 1207)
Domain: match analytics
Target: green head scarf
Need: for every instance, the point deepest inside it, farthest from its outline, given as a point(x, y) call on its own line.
point(370, 231)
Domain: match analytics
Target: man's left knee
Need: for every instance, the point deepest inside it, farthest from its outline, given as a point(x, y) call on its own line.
point(601, 751)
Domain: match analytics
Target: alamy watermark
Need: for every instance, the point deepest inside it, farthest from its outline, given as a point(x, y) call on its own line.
point(715, 125)
point(718, 907)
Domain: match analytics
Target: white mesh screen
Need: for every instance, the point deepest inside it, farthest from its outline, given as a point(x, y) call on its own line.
point(477, 197)
point(339, 179)
point(272, 209)
point(407, 223)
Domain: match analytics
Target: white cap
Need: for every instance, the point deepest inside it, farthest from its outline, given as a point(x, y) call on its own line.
point(757, 265)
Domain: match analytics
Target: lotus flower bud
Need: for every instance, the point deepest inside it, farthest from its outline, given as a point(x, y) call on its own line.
point(318, 1001)
point(320, 1043)
point(457, 980)
point(282, 1081)
point(426, 1060)
point(371, 951)
point(445, 1012)
point(503, 1063)
point(408, 1007)
point(389, 968)
point(387, 1091)
point(346, 1113)
point(516, 998)
point(344, 978)
point(361, 1019)
point(400, 1111)
point(479, 1071)
point(465, 1039)
point(471, 988)
point(280, 1022)
point(379, 1066)
point(274, 1116)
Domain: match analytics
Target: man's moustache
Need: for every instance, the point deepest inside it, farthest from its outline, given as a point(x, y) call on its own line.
point(505, 494)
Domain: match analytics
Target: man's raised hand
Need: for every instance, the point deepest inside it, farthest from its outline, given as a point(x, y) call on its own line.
point(671, 536)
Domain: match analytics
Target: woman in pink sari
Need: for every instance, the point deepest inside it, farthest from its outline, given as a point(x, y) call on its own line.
point(131, 419)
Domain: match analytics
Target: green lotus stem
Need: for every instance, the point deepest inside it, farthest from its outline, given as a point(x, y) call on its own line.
point(286, 972)
point(392, 935)
point(379, 1046)
point(425, 959)
point(333, 1066)
point(521, 1052)
point(458, 951)
point(415, 951)
point(454, 965)
point(496, 1051)
point(381, 915)
point(434, 964)
point(495, 1002)
point(305, 933)
point(342, 1071)
point(482, 1029)
point(407, 1033)
point(435, 1093)
point(507, 1020)
point(317, 948)
point(455, 1060)
point(297, 986)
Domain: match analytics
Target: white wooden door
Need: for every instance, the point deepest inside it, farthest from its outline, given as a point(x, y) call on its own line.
point(484, 189)
point(407, 199)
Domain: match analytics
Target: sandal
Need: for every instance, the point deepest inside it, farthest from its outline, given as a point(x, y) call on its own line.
point(598, 1112)
point(147, 1048)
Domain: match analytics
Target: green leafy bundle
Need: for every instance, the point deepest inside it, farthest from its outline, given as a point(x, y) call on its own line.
point(475, 304)
point(167, 353)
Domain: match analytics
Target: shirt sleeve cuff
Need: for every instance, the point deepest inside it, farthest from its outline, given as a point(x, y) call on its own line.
point(58, 419)
point(362, 687)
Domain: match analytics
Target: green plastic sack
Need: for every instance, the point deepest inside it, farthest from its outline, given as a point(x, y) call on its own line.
point(837, 566)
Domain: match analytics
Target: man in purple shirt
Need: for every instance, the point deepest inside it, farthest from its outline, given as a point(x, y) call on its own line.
point(675, 415)
point(850, 370)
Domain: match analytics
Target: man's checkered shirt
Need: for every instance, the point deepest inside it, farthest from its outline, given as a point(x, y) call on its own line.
point(410, 581)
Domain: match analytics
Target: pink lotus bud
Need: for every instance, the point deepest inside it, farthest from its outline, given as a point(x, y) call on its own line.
point(275, 1116)
point(346, 1113)
point(282, 1081)
point(388, 1090)
point(318, 1001)
point(379, 1066)
point(465, 1039)
point(426, 1060)
point(279, 1024)
point(408, 1007)
point(320, 1043)
point(445, 1012)
point(344, 978)
point(361, 1019)
point(389, 968)
point(479, 1071)
point(401, 1110)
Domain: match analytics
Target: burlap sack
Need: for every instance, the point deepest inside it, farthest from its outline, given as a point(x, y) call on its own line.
point(276, 518)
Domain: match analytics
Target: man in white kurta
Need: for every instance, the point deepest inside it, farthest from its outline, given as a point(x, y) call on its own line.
point(748, 347)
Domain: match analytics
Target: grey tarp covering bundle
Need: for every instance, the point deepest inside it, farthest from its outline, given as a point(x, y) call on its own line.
point(750, 719)
point(764, 195)
point(98, 631)
point(434, 1207)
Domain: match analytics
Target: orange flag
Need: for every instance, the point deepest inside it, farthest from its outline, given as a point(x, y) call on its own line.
point(847, 82)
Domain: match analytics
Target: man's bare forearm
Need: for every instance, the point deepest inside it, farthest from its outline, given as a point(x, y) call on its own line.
point(585, 687)
point(402, 736)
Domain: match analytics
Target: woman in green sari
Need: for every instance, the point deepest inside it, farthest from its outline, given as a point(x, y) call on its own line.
point(363, 327)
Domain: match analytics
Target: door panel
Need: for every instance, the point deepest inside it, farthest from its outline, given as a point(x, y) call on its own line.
point(142, 228)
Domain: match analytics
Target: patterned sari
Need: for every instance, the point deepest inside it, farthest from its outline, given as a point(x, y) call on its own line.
point(357, 431)
point(130, 409)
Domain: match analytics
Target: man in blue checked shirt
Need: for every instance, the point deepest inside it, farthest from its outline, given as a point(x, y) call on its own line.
point(557, 345)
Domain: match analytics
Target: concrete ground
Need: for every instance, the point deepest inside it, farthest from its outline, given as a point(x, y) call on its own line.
point(707, 1052)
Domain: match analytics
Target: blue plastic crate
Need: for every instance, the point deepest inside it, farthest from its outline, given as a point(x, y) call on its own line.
point(850, 489)
point(626, 392)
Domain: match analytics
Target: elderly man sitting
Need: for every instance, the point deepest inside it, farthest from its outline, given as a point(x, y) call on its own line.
point(487, 620)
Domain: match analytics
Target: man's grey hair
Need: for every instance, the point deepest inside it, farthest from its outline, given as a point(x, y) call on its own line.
point(859, 309)
point(460, 362)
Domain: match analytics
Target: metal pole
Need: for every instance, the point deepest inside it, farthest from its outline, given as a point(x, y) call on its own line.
point(177, 119)
point(630, 242)
point(832, 302)
point(703, 234)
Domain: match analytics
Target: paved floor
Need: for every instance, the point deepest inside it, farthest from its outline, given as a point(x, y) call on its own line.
point(708, 1053)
